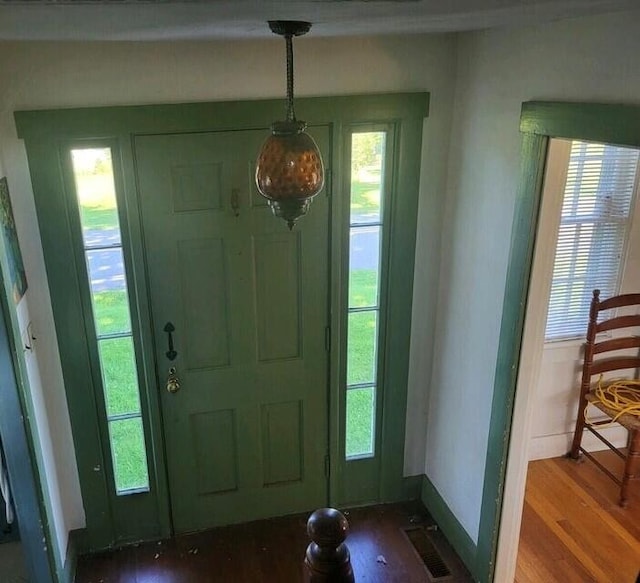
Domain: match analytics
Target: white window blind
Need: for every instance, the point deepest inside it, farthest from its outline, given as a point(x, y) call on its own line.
point(596, 216)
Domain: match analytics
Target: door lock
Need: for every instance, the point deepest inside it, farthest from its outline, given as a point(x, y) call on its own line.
point(173, 382)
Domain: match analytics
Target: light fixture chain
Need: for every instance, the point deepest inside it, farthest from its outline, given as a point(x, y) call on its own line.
point(289, 170)
point(291, 114)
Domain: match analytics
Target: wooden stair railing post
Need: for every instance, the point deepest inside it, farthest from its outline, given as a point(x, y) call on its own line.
point(327, 559)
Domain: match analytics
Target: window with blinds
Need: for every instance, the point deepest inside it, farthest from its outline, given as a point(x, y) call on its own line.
point(596, 217)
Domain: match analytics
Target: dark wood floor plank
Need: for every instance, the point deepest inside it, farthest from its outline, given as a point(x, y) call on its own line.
point(380, 550)
point(272, 551)
point(110, 567)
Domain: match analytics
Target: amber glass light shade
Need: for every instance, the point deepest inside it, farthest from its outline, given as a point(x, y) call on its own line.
point(289, 172)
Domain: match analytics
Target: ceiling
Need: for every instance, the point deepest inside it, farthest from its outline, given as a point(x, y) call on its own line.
point(223, 19)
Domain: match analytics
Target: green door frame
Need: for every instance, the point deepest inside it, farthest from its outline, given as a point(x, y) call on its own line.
point(539, 121)
point(48, 134)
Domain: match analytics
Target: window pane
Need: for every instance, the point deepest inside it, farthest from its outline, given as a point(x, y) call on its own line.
point(93, 171)
point(367, 170)
point(360, 421)
point(129, 456)
point(364, 265)
point(361, 353)
point(106, 269)
point(119, 376)
point(111, 312)
point(108, 291)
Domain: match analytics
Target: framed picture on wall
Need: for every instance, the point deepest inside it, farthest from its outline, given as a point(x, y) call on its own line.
point(17, 276)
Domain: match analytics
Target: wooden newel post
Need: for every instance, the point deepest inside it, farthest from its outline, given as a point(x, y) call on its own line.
point(327, 559)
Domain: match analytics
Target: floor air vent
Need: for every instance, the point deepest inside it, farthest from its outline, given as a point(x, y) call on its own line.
point(433, 561)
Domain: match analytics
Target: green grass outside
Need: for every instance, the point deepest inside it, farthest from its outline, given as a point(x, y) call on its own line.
point(96, 218)
point(365, 200)
point(111, 310)
point(116, 354)
point(129, 456)
point(363, 288)
point(119, 375)
point(362, 326)
point(361, 354)
point(360, 421)
point(361, 362)
point(117, 359)
point(97, 199)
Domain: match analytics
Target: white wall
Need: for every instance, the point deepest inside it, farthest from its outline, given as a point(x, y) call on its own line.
point(40, 365)
point(51, 75)
point(19, 319)
point(589, 59)
point(427, 265)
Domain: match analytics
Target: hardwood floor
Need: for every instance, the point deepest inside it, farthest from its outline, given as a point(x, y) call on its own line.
point(573, 529)
point(272, 551)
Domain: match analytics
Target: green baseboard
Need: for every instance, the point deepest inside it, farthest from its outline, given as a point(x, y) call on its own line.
point(411, 487)
point(75, 547)
point(449, 525)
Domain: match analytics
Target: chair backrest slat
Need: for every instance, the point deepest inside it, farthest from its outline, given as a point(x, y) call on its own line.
point(619, 301)
point(619, 322)
point(609, 364)
point(616, 344)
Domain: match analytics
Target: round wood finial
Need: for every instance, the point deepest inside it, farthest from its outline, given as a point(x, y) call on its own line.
point(327, 527)
point(327, 559)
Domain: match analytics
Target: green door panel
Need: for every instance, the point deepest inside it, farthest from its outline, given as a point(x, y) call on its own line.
point(246, 434)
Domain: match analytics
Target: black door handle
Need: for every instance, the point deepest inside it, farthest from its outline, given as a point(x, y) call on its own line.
point(169, 328)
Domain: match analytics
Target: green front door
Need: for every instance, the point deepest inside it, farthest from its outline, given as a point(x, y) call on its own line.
point(246, 433)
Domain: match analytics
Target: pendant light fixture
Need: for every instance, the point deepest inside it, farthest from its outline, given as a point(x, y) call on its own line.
point(289, 172)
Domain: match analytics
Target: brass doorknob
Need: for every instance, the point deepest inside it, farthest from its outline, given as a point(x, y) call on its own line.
point(173, 382)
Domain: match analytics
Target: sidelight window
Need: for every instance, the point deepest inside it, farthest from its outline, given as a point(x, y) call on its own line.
point(365, 228)
point(104, 258)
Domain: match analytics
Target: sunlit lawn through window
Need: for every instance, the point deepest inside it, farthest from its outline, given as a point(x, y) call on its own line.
point(94, 178)
point(97, 208)
point(365, 195)
point(360, 402)
point(360, 407)
point(364, 273)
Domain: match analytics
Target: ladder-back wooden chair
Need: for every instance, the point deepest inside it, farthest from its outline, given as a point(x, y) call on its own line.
point(604, 356)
